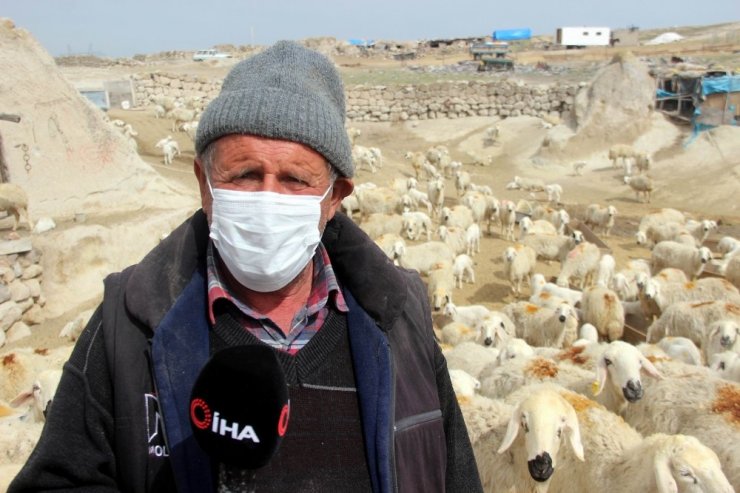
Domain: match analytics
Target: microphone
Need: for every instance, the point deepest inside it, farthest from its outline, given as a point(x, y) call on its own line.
point(239, 406)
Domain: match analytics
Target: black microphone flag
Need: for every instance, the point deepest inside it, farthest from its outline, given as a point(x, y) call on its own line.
point(239, 406)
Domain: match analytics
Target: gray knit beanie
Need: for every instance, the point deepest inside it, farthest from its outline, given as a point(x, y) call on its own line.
point(286, 92)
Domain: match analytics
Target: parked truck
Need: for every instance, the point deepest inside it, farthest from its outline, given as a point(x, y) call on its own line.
point(581, 37)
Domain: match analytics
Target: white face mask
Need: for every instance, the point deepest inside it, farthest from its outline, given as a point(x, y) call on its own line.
point(265, 239)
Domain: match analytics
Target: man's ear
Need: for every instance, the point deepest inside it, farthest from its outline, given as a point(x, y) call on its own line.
point(341, 189)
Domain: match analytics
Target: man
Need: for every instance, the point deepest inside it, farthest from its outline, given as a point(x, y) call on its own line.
point(372, 406)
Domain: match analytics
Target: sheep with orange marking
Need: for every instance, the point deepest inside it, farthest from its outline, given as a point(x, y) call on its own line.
point(666, 294)
point(499, 381)
point(601, 308)
point(581, 263)
point(692, 400)
point(690, 319)
point(542, 327)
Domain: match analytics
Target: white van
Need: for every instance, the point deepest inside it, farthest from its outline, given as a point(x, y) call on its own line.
point(201, 55)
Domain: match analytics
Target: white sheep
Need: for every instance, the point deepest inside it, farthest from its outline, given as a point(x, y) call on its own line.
point(470, 315)
point(519, 264)
point(732, 270)
point(539, 227)
point(601, 218)
point(578, 167)
point(414, 198)
point(660, 463)
point(477, 202)
point(463, 383)
point(728, 246)
point(641, 184)
point(621, 151)
point(691, 400)
point(654, 233)
point(540, 285)
point(377, 224)
point(554, 193)
point(527, 184)
point(13, 200)
point(424, 257)
point(378, 200)
point(675, 348)
point(521, 453)
point(391, 244)
point(605, 272)
point(700, 230)
point(501, 379)
point(403, 185)
point(159, 111)
point(462, 180)
point(581, 263)
point(363, 158)
point(721, 336)
point(436, 194)
point(691, 260)
point(170, 149)
point(40, 394)
point(416, 223)
point(417, 160)
point(470, 356)
point(180, 116)
point(553, 247)
point(462, 268)
point(454, 238)
point(690, 319)
point(472, 239)
point(507, 216)
point(455, 333)
point(440, 285)
point(664, 215)
point(601, 308)
point(495, 330)
point(664, 294)
point(459, 216)
point(643, 162)
point(727, 365)
point(541, 326)
point(557, 217)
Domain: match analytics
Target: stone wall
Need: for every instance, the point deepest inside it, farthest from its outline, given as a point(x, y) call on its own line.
point(21, 299)
point(393, 103)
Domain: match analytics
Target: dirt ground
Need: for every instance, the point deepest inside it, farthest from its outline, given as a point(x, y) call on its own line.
point(520, 138)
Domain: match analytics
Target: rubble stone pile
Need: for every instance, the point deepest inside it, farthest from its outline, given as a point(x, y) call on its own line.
point(21, 299)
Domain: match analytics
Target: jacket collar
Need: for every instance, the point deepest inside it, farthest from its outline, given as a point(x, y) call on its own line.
point(158, 280)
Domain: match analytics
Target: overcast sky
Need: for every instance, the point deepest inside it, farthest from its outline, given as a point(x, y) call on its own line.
point(124, 28)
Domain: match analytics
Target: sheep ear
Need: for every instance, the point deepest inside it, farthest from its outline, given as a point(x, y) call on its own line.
point(22, 399)
point(714, 331)
point(649, 368)
point(511, 430)
point(663, 477)
point(600, 375)
point(574, 433)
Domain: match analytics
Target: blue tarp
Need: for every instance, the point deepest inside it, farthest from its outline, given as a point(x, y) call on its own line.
point(661, 93)
point(512, 34)
point(713, 85)
point(361, 42)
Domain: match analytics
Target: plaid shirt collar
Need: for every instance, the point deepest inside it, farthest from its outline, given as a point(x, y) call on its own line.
point(324, 290)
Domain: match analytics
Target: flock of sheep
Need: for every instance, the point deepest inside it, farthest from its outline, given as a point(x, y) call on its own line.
point(661, 416)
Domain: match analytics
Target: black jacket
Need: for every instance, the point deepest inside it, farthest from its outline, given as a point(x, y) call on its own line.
point(119, 420)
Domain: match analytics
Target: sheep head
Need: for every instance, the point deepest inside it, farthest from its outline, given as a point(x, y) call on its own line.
point(683, 463)
point(543, 417)
point(622, 362)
